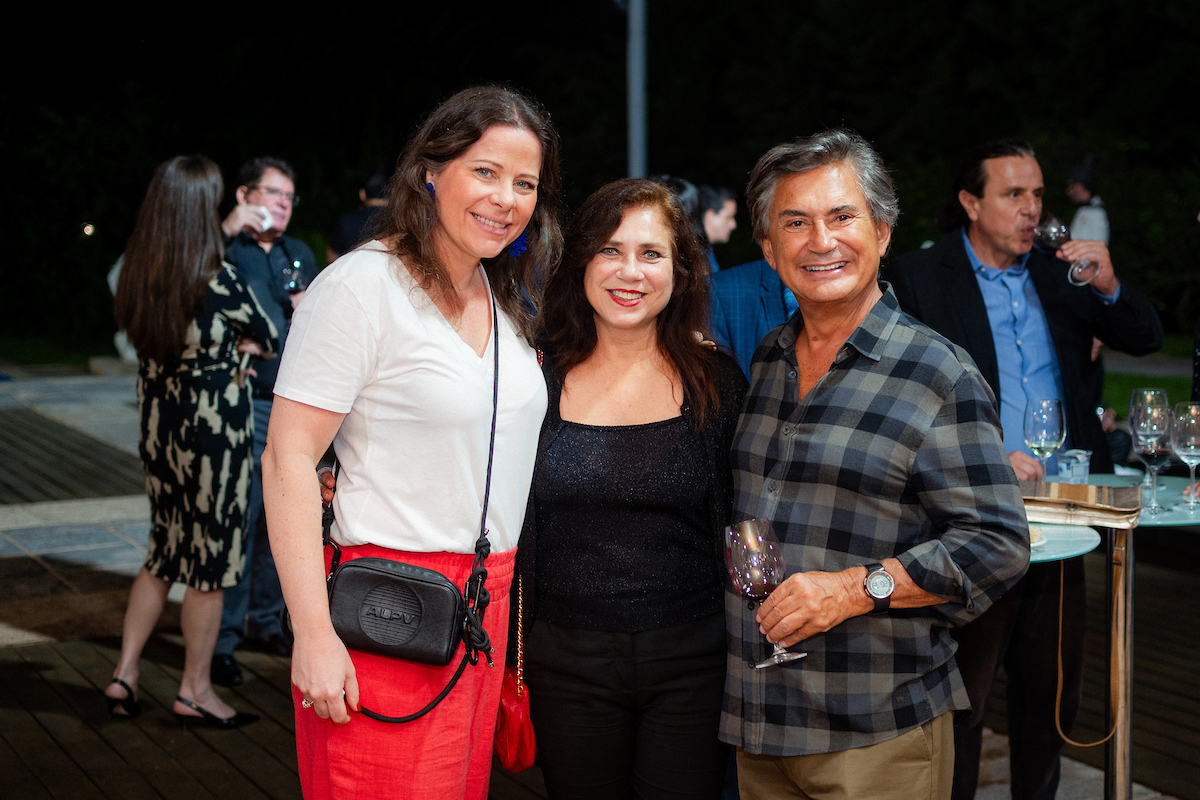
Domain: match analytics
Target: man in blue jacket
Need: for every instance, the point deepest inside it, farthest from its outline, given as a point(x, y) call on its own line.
point(747, 301)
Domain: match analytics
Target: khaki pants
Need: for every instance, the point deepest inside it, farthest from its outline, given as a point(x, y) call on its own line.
point(913, 766)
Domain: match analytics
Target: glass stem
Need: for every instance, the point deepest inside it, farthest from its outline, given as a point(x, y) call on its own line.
point(1192, 483)
point(1154, 488)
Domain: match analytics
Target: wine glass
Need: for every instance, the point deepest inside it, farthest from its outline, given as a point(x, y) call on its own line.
point(1053, 234)
point(1185, 441)
point(1044, 429)
point(1139, 399)
point(755, 561)
point(1152, 442)
point(293, 279)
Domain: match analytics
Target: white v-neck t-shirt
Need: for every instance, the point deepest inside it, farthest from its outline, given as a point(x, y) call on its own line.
point(368, 342)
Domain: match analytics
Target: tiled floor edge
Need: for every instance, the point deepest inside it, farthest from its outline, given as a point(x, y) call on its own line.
point(60, 512)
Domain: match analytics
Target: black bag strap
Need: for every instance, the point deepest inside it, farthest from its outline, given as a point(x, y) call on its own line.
point(475, 637)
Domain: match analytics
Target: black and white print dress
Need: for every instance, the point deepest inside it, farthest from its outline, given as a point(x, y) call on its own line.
point(195, 440)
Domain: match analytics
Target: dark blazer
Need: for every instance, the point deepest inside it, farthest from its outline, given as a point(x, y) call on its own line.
point(747, 302)
point(938, 287)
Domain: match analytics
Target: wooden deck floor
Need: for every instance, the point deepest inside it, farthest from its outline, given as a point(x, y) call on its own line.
point(1166, 688)
point(46, 460)
point(58, 741)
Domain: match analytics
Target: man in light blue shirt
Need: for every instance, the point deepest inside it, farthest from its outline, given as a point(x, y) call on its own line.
point(1028, 365)
point(1030, 331)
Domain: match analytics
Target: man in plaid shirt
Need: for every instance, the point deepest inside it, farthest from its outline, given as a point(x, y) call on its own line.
point(873, 446)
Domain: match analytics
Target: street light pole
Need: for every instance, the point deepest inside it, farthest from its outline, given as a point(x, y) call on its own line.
point(635, 69)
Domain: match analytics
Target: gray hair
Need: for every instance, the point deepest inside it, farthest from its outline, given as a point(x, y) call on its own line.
point(822, 149)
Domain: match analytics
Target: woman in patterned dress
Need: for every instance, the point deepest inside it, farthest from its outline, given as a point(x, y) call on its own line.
point(189, 315)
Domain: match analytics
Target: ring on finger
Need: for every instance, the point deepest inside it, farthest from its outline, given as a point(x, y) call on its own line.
point(306, 703)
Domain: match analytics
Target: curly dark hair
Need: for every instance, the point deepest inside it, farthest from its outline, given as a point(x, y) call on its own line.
point(568, 321)
point(411, 217)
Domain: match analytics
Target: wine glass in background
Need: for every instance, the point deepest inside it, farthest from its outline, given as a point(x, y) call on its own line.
point(1053, 234)
point(754, 558)
point(1044, 429)
point(1140, 398)
point(1151, 427)
point(293, 279)
point(1185, 441)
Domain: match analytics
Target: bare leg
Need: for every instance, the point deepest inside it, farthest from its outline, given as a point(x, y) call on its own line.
point(146, 600)
point(201, 622)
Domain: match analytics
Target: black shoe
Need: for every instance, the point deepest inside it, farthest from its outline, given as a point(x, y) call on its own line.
point(211, 720)
point(275, 644)
point(126, 706)
point(225, 671)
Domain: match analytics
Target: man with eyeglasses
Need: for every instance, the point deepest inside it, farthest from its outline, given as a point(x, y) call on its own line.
point(277, 268)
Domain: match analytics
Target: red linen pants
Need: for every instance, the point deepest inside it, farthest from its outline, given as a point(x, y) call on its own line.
point(445, 754)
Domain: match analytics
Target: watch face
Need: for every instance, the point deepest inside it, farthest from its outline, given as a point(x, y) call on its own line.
point(880, 584)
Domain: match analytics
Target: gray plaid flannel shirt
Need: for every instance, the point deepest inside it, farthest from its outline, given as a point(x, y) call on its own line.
point(896, 452)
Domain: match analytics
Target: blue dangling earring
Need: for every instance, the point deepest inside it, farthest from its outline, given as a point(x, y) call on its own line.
point(432, 193)
point(519, 245)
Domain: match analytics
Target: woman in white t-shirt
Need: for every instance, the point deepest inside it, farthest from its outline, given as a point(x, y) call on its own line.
point(390, 357)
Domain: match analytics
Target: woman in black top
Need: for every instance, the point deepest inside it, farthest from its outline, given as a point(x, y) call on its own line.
point(621, 557)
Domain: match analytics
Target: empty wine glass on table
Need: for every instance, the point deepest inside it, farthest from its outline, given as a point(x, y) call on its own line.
point(1185, 441)
point(1045, 429)
point(1053, 234)
point(754, 557)
point(1152, 442)
point(1141, 398)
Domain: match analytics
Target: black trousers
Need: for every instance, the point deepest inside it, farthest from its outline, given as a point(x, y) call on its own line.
point(1021, 632)
point(622, 715)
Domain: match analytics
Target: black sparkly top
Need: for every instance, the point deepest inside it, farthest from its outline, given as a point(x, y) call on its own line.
point(623, 527)
point(623, 539)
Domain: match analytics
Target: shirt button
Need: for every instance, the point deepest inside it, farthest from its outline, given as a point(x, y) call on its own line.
point(786, 430)
point(1015, 304)
point(792, 374)
point(1024, 380)
point(1018, 341)
point(771, 486)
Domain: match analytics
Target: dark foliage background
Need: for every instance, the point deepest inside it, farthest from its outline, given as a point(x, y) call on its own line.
point(91, 105)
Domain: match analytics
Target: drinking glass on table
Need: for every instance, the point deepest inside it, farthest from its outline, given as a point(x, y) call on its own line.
point(1140, 398)
point(1185, 441)
point(1152, 442)
point(1045, 429)
point(1053, 234)
point(754, 558)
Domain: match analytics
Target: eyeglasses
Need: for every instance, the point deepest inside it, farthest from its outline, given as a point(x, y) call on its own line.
point(273, 192)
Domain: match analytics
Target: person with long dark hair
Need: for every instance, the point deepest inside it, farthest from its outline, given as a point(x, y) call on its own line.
point(187, 313)
point(391, 358)
point(621, 559)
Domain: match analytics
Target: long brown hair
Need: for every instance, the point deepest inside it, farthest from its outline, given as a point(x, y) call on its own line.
point(175, 250)
point(411, 217)
point(568, 320)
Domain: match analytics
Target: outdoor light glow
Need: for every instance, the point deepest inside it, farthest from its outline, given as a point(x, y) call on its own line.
point(89, 229)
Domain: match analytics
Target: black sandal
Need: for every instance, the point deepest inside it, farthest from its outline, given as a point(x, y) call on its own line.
point(128, 705)
point(211, 720)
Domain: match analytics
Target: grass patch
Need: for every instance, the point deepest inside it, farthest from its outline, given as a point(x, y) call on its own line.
point(1118, 388)
point(1178, 345)
point(29, 351)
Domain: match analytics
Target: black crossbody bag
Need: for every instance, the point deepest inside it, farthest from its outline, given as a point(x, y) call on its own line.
point(399, 610)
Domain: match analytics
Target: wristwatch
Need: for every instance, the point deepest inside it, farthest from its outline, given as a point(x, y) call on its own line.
point(879, 586)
